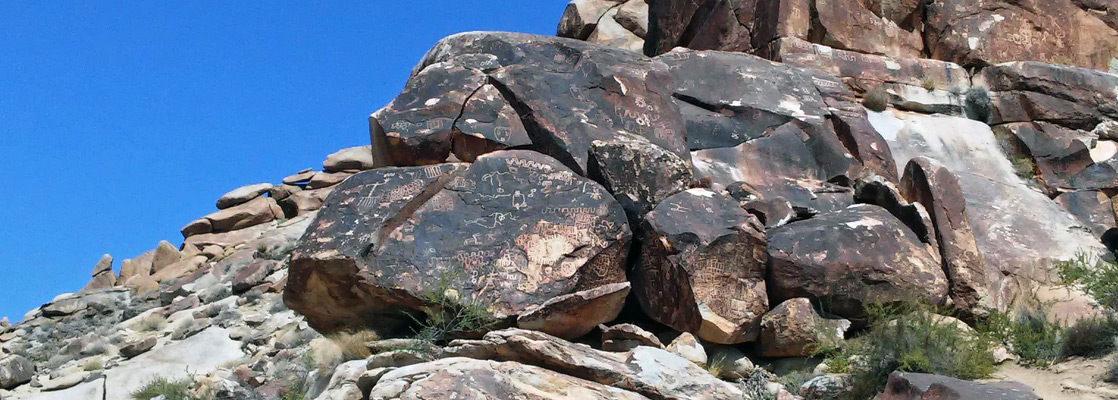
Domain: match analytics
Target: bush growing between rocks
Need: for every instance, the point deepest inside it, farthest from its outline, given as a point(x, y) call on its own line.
point(911, 338)
point(169, 389)
point(1091, 338)
point(876, 99)
point(1033, 339)
point(1097, 278)
point(330, 351)
point(151, 323)
point(93, 364)
point(446, 316)
point(928, 83)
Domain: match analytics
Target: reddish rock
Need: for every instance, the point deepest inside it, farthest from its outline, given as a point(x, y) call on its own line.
point(930, 183)
point(252, 275)
point(976, 33)
point(572, 316)
point(304, 202)
point(826, 259)
point(1061, 155)
point(847, 24)
point(1075, 98)
point(625, 337)
point(242, 195)
point(580, 18)
point(358, 158)
point(794, 329)
point(138, 347)
point(702, 267)
point(1093, 209)
point(327, 179)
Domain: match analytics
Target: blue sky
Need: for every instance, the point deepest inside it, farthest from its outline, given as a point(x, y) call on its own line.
point(121, 123)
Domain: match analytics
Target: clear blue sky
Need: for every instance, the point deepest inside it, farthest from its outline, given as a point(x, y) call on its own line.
point(121, 123)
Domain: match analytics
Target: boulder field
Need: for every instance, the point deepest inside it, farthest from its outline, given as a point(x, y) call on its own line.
point(669, 199)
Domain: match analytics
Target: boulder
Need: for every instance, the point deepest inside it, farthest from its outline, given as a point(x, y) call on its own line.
point(649, 371)
point(783, 130)
point(1016, 228)
point(568, 93)
point(358, 158)
point(932, 184)
point(1092, 208)
point(826, 260)
point(139, 266)
point(914, 386)
point(327, 179)
point(794, 329)
point(625, 337)
point(447, 107)
point(581, 17)
point(242, 195)
point(638, 173)
point(571, 316)
point(510, 232)
point(301, 178)
point(611, 33)
point(979, 33)
point(304, 202)
point(701, 24)
point(702, 267)
point(104, 264)
point(165, 255)
point(1062, 156)
point(252, 275)
point(14, 371)
point(138, 347)
point(633, 16)
point(255, 212)
point(283, 191)
point(102, 276)
point(1076, 98)
point(848, 24)
point(914, 84)
point(482, 379)
point(688, 347)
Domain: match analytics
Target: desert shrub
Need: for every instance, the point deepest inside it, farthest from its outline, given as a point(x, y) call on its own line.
point(1031, 337)
point(876, 99)
point(1090, 338)
point(1111, 374)
point(152, 322)
point(446, 315)
point(978, 104)
point(910, 337)
point(330, 351)
point(928, 83)
point(794, 380)
point(1098, 278)
point(93, 364)
point(169, 389)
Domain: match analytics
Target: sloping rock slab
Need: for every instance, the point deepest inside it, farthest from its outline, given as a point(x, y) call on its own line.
point(466, 378)
point(913, 386)
point(1077, 98)
point(652, 372)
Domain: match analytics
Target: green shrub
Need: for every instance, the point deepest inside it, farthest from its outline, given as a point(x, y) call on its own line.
point(1031, 337)
point(1090, 338)
point(912, 338)
point(1098, 278)
point(169, 389)
point(876, 99)
point(447, 315)
point(928, 83)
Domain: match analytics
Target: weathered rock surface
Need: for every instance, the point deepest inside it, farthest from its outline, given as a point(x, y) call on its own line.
point(932, 184)
point(513, 230)
point(1076, 98)
point(14, 371)
point(794, 329)
point(572, 316)
point(848, 24)
point(242, 195)
point(481, 379)
point(700, 24)
point(611, 33)
point(254, 212)
point(913, 386)
point(567, 92)
point(1015, 227)
point(1062, 156)
point(976, 33)
point(358, 158)
point(852, 257)
point(625, 337)
point(1093, 209)
point(702, 267)
point(581, 17)
point(652, 372)
point(102, 276)
point(638, 173)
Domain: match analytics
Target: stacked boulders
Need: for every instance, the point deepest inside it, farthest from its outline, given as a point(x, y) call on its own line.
point(617, 23)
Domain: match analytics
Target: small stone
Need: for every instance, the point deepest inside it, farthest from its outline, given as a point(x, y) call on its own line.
point(299, 179)
point(138, 347)
point(625, 337)
point(687, 346)
point(398, 358)
point(14, 371)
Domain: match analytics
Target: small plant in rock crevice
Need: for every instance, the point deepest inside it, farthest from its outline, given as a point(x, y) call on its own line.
point(167, 388)
point(876, 99)
point(446, 315)
point(928, 83)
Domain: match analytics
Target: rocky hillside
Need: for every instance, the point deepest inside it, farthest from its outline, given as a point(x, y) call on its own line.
point(672, 199)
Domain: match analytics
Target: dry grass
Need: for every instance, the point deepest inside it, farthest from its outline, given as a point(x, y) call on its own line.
point(93, 364)
point(330, 351)
point(151, 323)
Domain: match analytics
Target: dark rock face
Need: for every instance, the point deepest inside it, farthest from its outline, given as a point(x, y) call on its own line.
point(974, 33)
point(1072, 97)
point(567, 93)
point(1062, 156)
point(1093, 208)
point(780, 129)
point(447, 106)
point(700, 24)
point(792, 328)
point(930, 183)
point(576, 314)
point(638, 173)
point(912, 386)
point(510, 232)
point(848, 24)
point(325, 277)
point(702, 267)
point(852, 257)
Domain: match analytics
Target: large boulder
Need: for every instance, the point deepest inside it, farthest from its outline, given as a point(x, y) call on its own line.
point(848, 24)
point(851, 258)
point(638, 173)
point(930, 183)
point(102, 276)
point(982, 32)
point(348, 159)
point(1076, 98)
point(14, 371)
point(581, 17)
point(702, 267)
point(1016, 228)
point(242, 195)
point(568, 93)
point(794, 329)
point(700, 24)
point(783, 130)
point(459, 377)
point(1093, 208)
point(254, 212)
point(510, 232)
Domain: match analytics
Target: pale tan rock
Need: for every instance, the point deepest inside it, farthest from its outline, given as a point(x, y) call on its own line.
point(242, 195)
point(358, 158)
point(687, 346)
point(574, 315)
point(165, 255)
